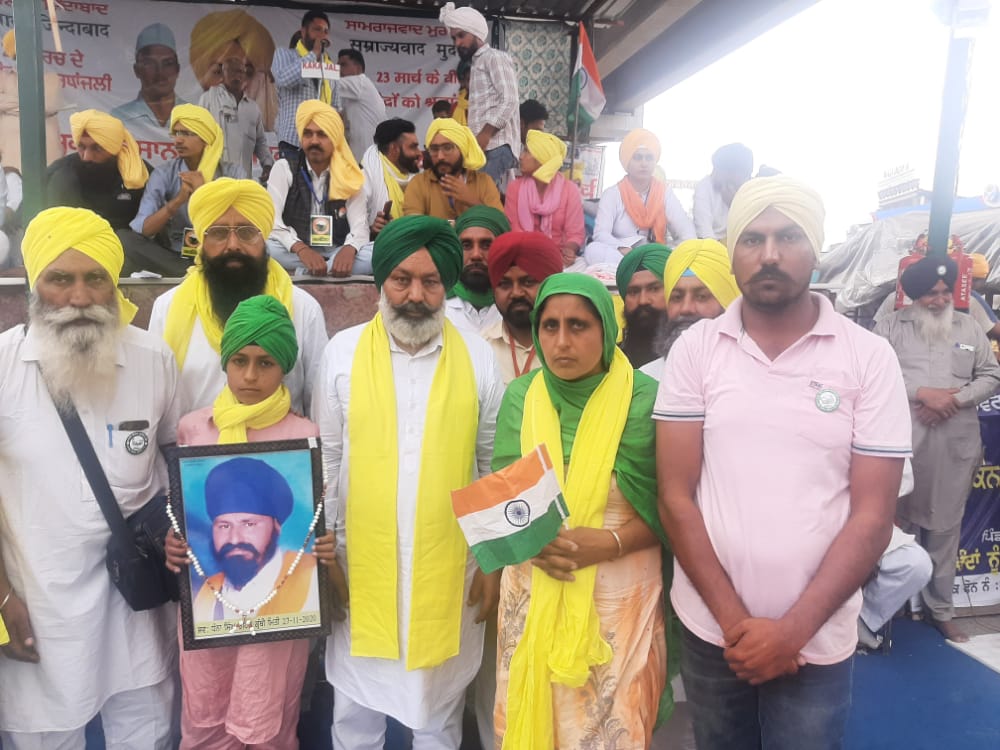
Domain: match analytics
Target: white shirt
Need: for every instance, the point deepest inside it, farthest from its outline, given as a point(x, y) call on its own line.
point(655, 368)
point(375, 191)
point(242, 128)
point(499, 338)
point(91, 644)
point(385, 685)
point(710, 212)
point(614, 227)
point(465, 317)
point(203, 378)
point(363, 109)
point(259, 588)
point(280, 182)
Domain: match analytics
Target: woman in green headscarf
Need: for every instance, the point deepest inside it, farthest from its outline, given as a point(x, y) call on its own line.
point(581, 626)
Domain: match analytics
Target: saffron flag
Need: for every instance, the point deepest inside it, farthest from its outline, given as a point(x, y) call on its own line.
point(509, 515)
point(586, 92)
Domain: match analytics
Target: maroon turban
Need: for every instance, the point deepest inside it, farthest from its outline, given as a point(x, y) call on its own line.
point(533, 252)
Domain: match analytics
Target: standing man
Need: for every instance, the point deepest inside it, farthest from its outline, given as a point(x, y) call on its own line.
point(732, 165)
point(360, 101)
point(470, 302)
point(156, 66)
point(293, 89)
point(231, 219)
point(239, 117)
point(77, 649)
point(406, 406)
point(640, 283)
point(321, 222)
point(493, 95)
point(783, 428)
point(453, 183)
point(518, 263)
point(389, 165)
point(949, 368)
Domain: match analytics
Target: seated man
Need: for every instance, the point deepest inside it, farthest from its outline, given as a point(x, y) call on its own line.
point(732, 165)
point(198, 141)
point(452, 184)
point(389, 164)
point(640, 284)
point(319, 208)
point(470, 302)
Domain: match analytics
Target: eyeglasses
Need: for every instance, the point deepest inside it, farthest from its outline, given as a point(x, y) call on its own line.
point(442, 148)
point(245, 234)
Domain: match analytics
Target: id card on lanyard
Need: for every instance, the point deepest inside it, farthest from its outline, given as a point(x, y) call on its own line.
point(320, 224)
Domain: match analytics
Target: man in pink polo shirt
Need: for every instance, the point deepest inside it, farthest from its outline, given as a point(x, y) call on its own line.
point(780, 449)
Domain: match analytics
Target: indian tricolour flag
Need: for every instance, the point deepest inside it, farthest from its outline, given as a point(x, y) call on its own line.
point(509, 515)
point(586, 86)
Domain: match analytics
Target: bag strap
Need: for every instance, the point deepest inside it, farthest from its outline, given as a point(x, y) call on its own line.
point(91, 466)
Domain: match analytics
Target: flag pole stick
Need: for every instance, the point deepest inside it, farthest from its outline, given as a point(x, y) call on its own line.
point(576, 113)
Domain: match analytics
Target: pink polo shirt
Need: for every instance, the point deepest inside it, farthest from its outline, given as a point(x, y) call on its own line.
point(778, 439)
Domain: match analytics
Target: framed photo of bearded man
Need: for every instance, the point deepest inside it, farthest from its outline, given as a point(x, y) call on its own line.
point(249, 513)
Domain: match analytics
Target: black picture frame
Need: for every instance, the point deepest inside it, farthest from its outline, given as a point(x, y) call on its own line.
point(299, 462)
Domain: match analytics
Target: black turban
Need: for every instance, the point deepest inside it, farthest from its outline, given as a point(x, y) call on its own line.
point(918, 279)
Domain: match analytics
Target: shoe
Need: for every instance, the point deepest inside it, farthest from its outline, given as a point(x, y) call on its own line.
point(867, 640)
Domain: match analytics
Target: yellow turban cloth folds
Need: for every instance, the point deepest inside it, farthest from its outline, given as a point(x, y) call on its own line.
point(709, 261)
point(10, 45)
point(200, 122)
point(636, 139)
point(549, 151)
point(214, 32)
point(346, 177)
point(191, 300)
point(110, 134)
point(980, 266)
point(472, 155)
point(439, 549)
point(793, 198)
point(56, 230)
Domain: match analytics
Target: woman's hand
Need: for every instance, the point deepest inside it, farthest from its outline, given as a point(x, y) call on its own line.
point(574, 549)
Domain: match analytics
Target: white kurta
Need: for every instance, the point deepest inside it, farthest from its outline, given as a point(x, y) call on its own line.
point(385, 685)
point(203, 378)
point(92, 645)
point(465, 317)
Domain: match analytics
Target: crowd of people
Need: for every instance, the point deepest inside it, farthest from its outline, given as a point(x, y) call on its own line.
point(733, 453)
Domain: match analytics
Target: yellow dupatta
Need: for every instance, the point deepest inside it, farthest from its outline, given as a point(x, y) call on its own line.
point(325, 94)
point(393, 176)
point(233, 418)
point(447, 461)
point(192, 301)
point(562, 631)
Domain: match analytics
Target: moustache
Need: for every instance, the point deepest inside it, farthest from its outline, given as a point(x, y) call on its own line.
point(414, 309)
point(770, 273)
point(227, 548)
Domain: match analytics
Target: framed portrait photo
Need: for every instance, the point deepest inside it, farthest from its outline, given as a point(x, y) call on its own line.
point(250, 513)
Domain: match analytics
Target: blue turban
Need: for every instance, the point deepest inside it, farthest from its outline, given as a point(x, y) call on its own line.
point(247, 485)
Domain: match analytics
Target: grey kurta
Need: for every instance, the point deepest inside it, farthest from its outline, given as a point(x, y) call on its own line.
point(945, 456)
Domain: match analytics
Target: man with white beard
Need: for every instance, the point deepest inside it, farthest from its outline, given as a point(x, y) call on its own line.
point(77, 649)
point(948, 368)
point(406, 407)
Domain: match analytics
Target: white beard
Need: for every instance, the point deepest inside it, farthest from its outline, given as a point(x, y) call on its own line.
point(933, 327)
point(78, 362)
point(409, 332)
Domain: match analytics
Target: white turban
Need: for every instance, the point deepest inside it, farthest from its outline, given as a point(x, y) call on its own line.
point(794, 199)
point(465, 19)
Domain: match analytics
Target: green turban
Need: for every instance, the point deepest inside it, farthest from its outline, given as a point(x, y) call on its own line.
point(589, 288)
point(404, 236)
point(652, 257)
point(487, 217)
point(264, 322)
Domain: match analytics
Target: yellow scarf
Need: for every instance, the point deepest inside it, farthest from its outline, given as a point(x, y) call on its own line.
point(325, 95)
point(393, 176)
point(192, 301)
point(233, 418)
point(439, 549)
point(461, 112)
point(562, 632)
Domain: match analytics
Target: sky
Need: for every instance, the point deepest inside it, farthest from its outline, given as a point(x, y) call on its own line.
point(835, 96)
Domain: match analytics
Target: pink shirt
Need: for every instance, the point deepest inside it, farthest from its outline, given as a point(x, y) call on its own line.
point(778, 439)
point(567, 220)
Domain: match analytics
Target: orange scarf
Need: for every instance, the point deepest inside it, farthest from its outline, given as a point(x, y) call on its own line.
point(648, 215)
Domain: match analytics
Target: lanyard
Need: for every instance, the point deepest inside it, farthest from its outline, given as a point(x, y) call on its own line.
point(319, 202)
point(518, 372)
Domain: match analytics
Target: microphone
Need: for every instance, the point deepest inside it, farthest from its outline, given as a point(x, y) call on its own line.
point(324, 44)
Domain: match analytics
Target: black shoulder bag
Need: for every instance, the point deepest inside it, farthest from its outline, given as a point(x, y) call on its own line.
point(136, 559)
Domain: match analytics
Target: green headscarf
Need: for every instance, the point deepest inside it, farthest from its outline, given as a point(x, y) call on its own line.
point(487, 217)
point(651, 257)
point(263, 321)
point(406, 235)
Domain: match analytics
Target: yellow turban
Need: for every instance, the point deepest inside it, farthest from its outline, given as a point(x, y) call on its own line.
point(213, 199)
point(980, 266)
point(549, 150)
point(636, 139)
point(706, 259)
point(9, 45)
point(794, 199)
point(472, 155)
point(110, 134)
point(346, 177)
point(200, 122)
point(216, 31)
point(56, 230)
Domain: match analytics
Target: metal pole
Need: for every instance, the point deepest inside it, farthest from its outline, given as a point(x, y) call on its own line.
point(31, 101)
point(576, 114)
